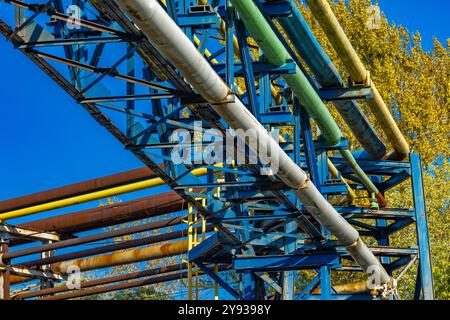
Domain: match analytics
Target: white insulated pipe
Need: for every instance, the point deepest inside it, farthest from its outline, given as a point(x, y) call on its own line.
point(170, 40)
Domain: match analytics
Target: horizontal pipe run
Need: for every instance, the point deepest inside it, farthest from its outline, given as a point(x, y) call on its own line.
point(125, 257)
point(103, 281)
point(90, 197)
point(125, 285)
point(337, 37)
point(112, 247)
point(117, 258)
point(93, 238)
point(170, 40)
point(119, 286)
point(77, 189)
point(109, 215)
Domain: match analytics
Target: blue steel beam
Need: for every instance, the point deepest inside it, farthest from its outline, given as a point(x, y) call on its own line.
point(423, 241)
point(273, 263)
point(257, 66)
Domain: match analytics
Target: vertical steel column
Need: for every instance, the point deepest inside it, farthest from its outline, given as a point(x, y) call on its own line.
point(46, 283)
point(229, 45)
point(130, 87)
point(423, 241)
point(289, 247)
point(4, 274)
point(80, 52)
point(382, 239)
point(308, 143)
point(246, 61)
point(288, 277)
point(324, 271)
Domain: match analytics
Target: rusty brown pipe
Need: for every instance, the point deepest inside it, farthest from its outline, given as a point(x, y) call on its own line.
point(125, 285)
point(116, 287)
point(125, 257)
point(112, 247)
point(118, 258)
point(77, 189)
point(103, 281)
point(109, 215)
point(93, 238)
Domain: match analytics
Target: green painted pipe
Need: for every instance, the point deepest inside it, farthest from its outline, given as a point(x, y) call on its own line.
point(277, 55)
point(336, 35)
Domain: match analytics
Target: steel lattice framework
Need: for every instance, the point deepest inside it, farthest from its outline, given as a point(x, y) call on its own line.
point(256, 226)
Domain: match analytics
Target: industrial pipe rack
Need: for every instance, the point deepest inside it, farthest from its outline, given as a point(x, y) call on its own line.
point(156, 67)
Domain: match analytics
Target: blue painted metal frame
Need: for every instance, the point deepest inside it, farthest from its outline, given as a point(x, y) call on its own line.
point(426, 276)
point(258, 216)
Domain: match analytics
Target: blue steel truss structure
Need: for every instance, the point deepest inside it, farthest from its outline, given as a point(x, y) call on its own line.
point(102, 60)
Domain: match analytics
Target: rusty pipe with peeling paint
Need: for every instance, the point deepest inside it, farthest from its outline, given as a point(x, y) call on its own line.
point(77, 189)
point(136, 186)
point(103, 281)
point(125, 257)
point(126, 285)
point(109, 215)
point(337, 37)
point(117, 258)
point(93, 238)
point(166, 236)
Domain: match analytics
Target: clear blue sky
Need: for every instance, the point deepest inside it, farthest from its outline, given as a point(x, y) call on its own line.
point(47, 140)
point(431, 18)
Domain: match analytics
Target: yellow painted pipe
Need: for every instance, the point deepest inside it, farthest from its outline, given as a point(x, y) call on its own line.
point(336, 35)
point(90, 197)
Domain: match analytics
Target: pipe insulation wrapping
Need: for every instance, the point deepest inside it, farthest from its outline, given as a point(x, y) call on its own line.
point(164, 33)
